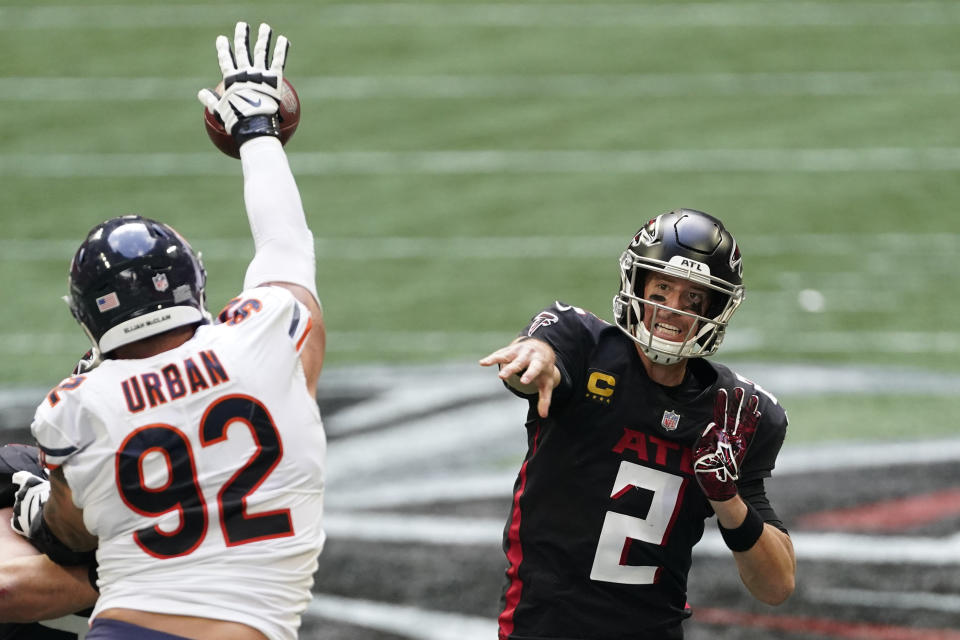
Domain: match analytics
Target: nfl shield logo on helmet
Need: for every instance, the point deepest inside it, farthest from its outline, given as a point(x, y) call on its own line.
point(160, 282)
point(671, 420)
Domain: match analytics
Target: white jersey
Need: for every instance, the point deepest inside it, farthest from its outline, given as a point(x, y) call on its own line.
point(200, 469)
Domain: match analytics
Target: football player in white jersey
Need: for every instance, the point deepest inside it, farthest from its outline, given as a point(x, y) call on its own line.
point(192, 456)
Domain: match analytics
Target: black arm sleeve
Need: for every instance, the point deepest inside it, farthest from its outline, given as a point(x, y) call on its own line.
point(754, 493)
point(763, 450)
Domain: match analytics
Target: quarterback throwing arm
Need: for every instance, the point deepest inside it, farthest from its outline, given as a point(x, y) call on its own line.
point(284, 244)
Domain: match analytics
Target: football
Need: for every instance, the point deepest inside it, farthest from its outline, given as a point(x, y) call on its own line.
point(289, 116)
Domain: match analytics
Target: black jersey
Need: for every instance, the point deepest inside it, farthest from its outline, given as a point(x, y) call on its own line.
point(606, 506)
point(13, 458)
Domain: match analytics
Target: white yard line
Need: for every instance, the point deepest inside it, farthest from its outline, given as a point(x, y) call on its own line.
point(750, 339)
point(430, 14)
point(743, 340)
point(477, 484)
point(825, 547)
point(912, 600)
point(424, 624)
point(599, 86)
point(932, 248)
point(423, 445)
point(414, 529)
point(894, 247)
point(793, 460)
point(494, 161)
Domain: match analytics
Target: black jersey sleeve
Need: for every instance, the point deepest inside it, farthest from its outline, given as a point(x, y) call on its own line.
point(768, 438)
point(762, 452)
point(571, 332)
point(755, 493)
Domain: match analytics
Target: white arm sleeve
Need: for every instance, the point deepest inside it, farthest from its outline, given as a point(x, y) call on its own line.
point(283, 242)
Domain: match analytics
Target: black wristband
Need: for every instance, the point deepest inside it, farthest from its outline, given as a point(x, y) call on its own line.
point(746, 535)
point(256, 126)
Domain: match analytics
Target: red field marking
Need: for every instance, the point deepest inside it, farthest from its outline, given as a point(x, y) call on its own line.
point(819, 626)
point(889, 515)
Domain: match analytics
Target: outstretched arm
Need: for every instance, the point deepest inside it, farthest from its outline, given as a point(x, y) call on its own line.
point(284, 244)
point(529, 366)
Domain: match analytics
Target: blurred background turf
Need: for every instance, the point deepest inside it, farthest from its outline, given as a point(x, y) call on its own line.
point(463, 165)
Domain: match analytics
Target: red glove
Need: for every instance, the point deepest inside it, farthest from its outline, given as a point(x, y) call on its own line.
point(721, 447)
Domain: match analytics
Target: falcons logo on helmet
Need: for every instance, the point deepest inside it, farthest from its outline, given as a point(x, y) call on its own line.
point(649, 235)
point(736, 260)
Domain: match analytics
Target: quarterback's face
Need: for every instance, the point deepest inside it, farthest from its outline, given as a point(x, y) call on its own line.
point(678, 294)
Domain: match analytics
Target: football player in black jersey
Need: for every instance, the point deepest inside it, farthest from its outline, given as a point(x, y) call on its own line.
point(634, 440)
point(33, 587)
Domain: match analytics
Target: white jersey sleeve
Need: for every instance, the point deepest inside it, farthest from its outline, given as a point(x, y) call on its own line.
point(299, 322)
point(62, 429)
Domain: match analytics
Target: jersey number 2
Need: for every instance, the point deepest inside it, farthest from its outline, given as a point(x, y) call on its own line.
point(619, 530)
point(181, 491)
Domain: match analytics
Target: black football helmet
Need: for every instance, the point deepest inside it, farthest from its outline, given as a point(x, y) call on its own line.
point(687, 244)
point(133, 278)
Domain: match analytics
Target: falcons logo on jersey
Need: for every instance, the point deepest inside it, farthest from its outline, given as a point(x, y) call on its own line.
point(543, 319)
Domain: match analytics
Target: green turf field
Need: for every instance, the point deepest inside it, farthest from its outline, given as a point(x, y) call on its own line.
point(464, 164)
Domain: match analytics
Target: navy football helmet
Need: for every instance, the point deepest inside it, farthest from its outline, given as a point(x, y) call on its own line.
point(687, 244)
point(133, 278)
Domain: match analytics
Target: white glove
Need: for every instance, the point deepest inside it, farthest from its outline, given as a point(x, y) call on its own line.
point(28, 504)
point(250, 87)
